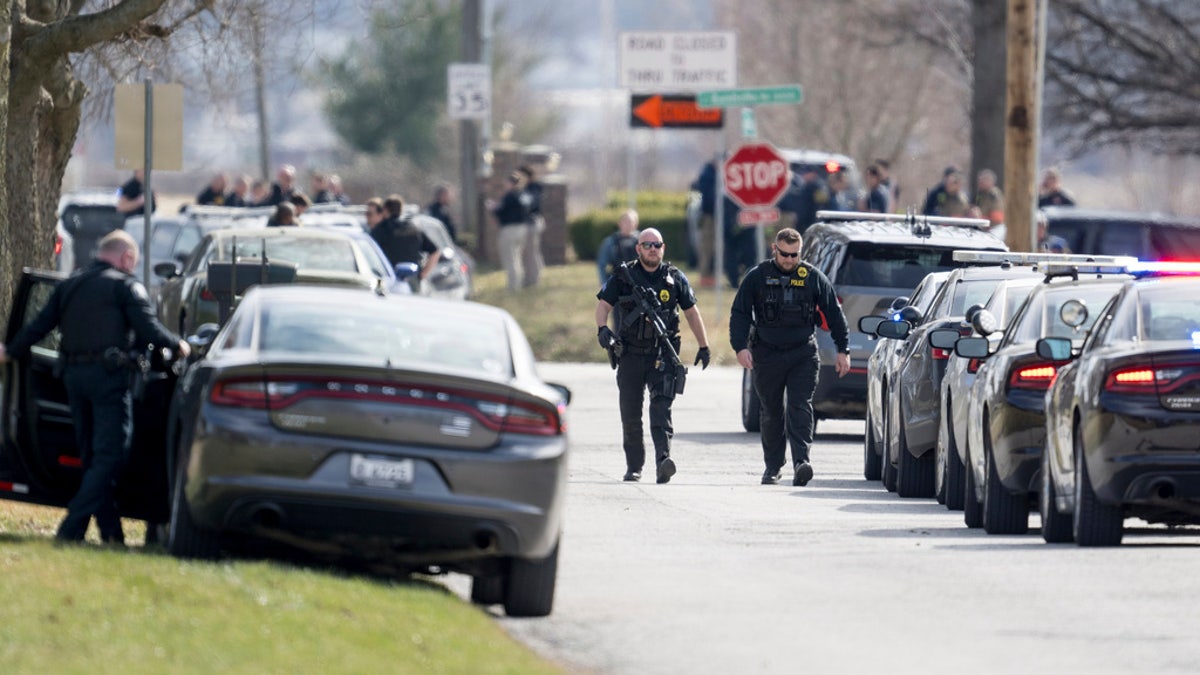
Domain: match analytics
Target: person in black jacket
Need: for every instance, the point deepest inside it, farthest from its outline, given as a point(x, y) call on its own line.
point(102, 313)
point(513, 216)
point(402, 241)
point(779, 299)
point(440, 208)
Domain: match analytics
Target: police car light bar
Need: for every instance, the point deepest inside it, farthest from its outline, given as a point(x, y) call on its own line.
point(1064, 259)
point(1164, 269)
point(1075, 269)
point(975, 223)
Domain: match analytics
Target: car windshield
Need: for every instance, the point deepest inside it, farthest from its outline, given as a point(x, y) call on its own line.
point(308, 253)
point(970, 292)
point(1170, 312)
point(869, 264)
point(1044, 319)
point(388, 332)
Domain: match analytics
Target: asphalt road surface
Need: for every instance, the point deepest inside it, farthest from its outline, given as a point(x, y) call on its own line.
point(715, 573)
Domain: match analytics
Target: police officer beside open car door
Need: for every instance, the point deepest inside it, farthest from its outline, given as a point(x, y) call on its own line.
point(779, 300)
point(102, 312)
point(647, 296)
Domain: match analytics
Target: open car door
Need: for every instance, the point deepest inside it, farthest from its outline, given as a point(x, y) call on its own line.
point(39, 458)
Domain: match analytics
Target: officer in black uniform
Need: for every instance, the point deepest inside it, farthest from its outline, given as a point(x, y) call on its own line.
point(102, 312)
point(779, 299)
point(643, 355)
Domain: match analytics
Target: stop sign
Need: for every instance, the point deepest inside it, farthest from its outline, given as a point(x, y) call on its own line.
point(756, 175)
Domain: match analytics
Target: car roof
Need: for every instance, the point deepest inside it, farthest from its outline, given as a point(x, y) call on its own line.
point(881, 232)
point(995, 272)
point(291, 231)
point(1073, 213)
point(313, 294)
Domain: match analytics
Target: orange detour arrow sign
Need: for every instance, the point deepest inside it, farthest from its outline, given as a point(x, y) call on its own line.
point(677, 111)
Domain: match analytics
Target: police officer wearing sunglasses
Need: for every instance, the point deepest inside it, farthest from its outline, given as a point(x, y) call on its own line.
point(640, 365)
point(779, 300)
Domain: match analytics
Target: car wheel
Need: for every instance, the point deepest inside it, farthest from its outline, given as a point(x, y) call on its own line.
point(750, 402)
point(888, 469)
point(530, 585)
point(972, 509)
point(1003, 512)
point(939, 458)
point(1095, 523)
point(871, 462)
point(487, 589)
point(1056, 527)
point(185, 539)
point(955, 472)
point(914, 475)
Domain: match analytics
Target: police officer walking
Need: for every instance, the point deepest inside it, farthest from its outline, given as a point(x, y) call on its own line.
point(643, 293)
point(102, 312)
point(779, 299)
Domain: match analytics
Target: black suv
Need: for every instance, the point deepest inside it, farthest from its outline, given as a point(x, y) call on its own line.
point(871, 258)
point(1146, 236)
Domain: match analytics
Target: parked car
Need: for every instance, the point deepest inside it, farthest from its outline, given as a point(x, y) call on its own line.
point(1146, 236)
point(882, 362)
point(323, 256)
point(1005, 417)
point(1123, 415)
point(451, 278)
point(871, 258)
point(398, 429)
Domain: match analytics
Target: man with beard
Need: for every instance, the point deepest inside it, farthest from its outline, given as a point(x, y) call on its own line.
point(645, 360)
point(779, 299)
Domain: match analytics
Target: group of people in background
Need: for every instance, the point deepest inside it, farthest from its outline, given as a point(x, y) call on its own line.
point(519, 214)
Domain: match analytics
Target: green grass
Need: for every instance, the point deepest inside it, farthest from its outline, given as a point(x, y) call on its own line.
point(77, 609)
point(558, 315)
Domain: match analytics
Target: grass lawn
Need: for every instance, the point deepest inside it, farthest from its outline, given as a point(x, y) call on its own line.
point(558, 315)
point(77, 609)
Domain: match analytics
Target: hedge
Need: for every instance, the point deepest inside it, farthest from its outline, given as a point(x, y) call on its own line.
point(664, 211)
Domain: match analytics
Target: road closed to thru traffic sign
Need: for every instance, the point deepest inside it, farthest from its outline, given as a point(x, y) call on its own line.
point(756, 175)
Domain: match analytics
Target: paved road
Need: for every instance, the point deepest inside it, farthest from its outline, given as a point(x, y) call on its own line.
point(714, 573)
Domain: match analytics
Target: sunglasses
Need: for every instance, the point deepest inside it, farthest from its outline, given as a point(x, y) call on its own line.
point(785, 254)
point(651, 244)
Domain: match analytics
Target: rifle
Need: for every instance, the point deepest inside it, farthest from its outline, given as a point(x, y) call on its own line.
point(673, 371)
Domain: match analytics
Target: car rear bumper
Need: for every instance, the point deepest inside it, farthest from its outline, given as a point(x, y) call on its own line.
point(459, 505)
point(1145, 456)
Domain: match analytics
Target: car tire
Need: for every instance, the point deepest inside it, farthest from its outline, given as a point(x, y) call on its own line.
point(972, 508)
point(1095, 523)
point(185, 539)
point(750, 403)
point(1056, 527)
point(955, 472)
point(939, 459)
point(530, 585)
point(888, 470)
point(488, 589)
point(1003, 512)
point(914, 475)
point(871, 460)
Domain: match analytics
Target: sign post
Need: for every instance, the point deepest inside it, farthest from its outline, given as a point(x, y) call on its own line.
point(469, 91)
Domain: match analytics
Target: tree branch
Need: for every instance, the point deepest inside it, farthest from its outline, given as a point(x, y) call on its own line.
point(77, 33)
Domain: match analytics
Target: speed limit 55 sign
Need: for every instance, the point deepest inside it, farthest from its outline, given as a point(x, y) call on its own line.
point(469, 90)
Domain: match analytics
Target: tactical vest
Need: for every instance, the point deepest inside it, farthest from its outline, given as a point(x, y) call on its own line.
point(631, 324)
point(787, 300)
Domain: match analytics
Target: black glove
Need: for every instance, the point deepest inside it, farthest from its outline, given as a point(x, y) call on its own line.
point(702, 356)
point(606, 337)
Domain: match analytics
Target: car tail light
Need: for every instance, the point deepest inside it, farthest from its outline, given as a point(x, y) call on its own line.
point(494, 412)
point(462, 267)
point(207, 295)
point(57, 244)
point(1147, 380)
point(1034, 376)
point(973, 366)
point(939, 354)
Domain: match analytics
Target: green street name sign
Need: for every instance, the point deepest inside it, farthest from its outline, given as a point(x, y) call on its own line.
point(733, 98)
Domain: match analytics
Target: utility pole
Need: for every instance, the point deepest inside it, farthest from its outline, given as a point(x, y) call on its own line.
point(468, 131)
point(1022, 121)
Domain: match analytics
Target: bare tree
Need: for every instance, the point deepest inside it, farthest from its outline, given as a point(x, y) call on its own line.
point(1124, 73)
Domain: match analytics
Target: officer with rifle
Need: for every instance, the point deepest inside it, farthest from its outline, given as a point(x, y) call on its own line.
point(779, 299)
point(647, 296)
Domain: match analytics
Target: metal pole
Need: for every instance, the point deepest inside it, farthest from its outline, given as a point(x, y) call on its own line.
point(468, 129)
point(1039, 84)
point(147, 192)
point(719, 228)
point(630, 172)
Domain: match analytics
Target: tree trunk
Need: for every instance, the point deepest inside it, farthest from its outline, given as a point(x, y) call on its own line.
point(988, 19)
point(6, 255)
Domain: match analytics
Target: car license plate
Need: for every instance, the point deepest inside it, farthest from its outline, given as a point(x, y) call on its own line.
point(389, 473)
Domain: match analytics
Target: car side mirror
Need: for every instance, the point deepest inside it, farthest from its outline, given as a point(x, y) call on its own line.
point(898, 303)
point(405, 270)
point(895, 330)
point(869, 324)
point(973, 347)
point(912, 315)
point(1054, 348)
point(166, 270)
point(202, 339)
point(562, 389)
point(944, 338)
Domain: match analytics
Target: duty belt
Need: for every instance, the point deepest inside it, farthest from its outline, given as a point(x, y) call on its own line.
point(79, 358)
point(782, 348)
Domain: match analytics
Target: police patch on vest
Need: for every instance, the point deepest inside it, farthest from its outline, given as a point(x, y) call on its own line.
point(802, 271)
point(664, 295)
point(797, 282)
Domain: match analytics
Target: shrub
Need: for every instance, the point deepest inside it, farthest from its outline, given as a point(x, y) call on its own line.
point(663, 211)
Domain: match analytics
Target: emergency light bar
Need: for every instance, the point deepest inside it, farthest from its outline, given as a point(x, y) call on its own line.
point(229, 211)
point(1064, 259)
point(1165, 269)
point(1075, 269)
point(974, 223)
